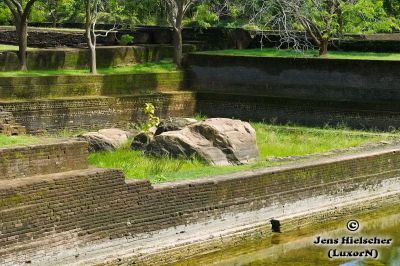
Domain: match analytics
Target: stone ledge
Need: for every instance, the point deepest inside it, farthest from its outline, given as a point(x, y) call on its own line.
point(35, 87)
point(31, 160)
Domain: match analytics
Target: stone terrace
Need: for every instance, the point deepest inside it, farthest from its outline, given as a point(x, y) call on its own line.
point(54, 209)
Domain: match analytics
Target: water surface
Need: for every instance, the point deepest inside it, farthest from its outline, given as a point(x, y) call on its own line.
point(298, 248)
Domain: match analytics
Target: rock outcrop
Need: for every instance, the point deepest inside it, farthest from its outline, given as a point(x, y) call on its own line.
point(218, 141)
point(173, 124)
point(106, 139)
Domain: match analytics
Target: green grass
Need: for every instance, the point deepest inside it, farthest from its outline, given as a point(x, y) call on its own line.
point(8, 141)
point(6, 47)
point(159, 67)
point(272, 52)
point(273, 141)
point(44, 29)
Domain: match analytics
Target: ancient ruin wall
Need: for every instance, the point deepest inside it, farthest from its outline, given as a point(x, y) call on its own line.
point(371, 81)
point(93, 113)
point(33, 160)
point(58, 86)
point(68, 58)
point(53, 215)
point(309, 91)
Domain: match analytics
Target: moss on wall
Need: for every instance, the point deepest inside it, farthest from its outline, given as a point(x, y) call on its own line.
point(88, 85)
point(108, 56)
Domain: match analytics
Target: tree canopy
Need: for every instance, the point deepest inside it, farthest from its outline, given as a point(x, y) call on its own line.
point(358, 15)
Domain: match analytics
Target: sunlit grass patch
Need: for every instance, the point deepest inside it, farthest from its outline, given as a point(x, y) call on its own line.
point(272, 140)
point(7, 141)
point(273, 52)
point(158, 67)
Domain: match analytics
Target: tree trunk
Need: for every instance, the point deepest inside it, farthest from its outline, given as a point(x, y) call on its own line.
point(54, 14)
point(54, 19)
point(93, 61)
point(178, 50)
point(22, 32)
point(323, 47)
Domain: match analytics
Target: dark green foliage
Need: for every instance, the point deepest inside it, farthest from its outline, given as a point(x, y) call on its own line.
point(126, 39)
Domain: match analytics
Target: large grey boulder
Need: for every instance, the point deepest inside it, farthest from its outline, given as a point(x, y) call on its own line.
point(106, 139)
point(218, 141)
point(173, 124)
point(141, 141)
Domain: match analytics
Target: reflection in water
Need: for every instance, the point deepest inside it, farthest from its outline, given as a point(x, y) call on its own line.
point(297, 248)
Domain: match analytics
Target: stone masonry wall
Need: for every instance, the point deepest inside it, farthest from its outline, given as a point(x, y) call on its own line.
point(93, 113)
point(299, 111)
point(51, 215)
point(67, 58)
point(339, 80)
point(88, 85)
point(42, 159)
point(308, 91)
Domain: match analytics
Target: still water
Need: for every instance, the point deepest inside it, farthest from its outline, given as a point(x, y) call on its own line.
point(378, 234)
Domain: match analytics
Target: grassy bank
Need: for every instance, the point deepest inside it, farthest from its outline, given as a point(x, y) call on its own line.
point(273, 141)
point(273, 52)
point(14, 48)
point(160, 67)
point(8, 141)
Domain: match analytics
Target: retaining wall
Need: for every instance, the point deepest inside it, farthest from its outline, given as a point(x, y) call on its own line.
point(40, 87)
point(311, 91)
point(68, 58)
point(93, 113)
point(373, 81)
point(42, 159)
point(52, 38)
point(87, 215)
point(299, 111)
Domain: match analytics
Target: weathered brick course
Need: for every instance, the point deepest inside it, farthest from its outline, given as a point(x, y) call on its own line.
point(308, 91)
point(25, 161)
point(93, 113)
point(98, 204)
point(88, 85)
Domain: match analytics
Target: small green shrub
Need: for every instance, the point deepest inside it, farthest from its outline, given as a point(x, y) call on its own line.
point(203, 18)
point(126, 39)
point(152, 120)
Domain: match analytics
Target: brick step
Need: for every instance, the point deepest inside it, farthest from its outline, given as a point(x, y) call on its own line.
point(31, 160)
point(33, 207)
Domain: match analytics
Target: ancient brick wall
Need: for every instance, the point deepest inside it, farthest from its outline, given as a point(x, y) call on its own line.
point(309, 91)
point(44, 38)
point(42, 159)
point(67, 58)
point(88, 85)
point(373, 81)
point(42, 216)
point(93, 113)
point(299, 111)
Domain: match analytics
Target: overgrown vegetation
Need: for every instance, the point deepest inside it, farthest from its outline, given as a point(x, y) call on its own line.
point(319, 21)
point(272, 140)
point(159, 67)
point(273, 52)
